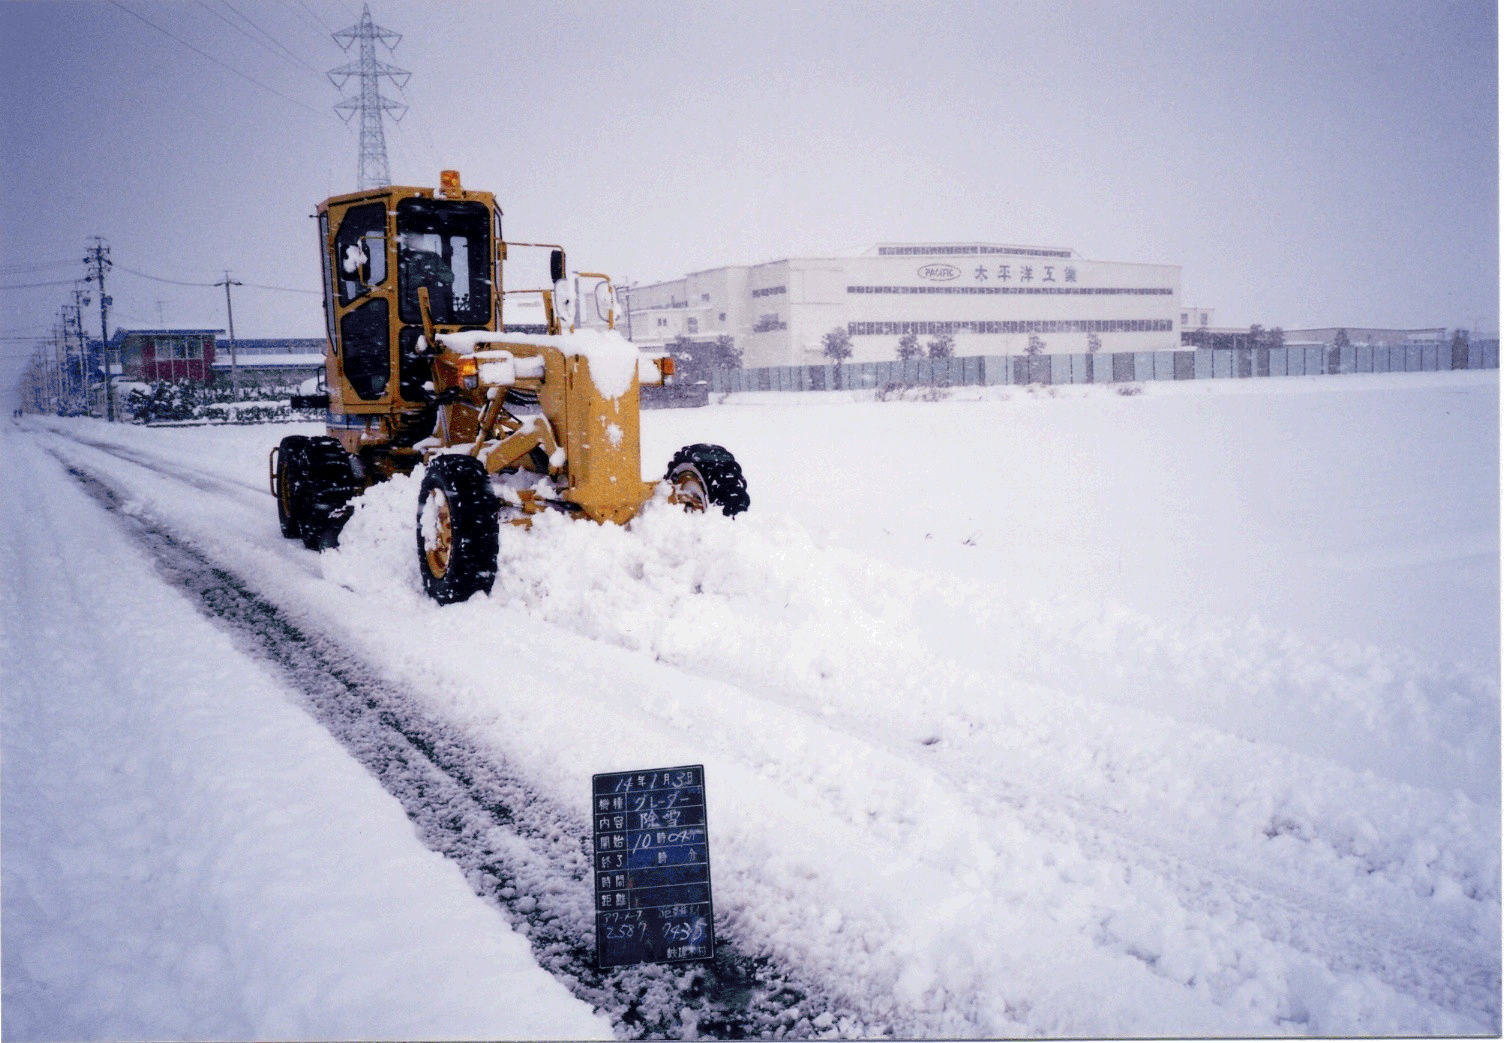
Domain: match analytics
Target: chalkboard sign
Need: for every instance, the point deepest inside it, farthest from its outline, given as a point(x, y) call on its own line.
point(653, 867)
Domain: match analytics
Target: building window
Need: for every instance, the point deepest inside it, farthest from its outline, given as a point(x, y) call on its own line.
point(889, 329)
point(721, 316)
point(663, 322)
point(1015, 291)
point(967, 250)
point(705, 297)
point(691, 326)
point(768, 291)
point(179, 349)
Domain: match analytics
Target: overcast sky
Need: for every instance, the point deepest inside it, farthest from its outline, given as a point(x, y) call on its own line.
point(1307, 164)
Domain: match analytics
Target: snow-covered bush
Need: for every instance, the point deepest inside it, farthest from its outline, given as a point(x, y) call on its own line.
point(164, 400)
point(184, 400)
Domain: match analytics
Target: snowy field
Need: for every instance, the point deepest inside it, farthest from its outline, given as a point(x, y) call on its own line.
point(1023, 713)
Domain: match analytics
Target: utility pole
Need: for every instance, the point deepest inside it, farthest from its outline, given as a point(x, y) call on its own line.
point(99, 256)
point(369, 103)
point(63, 332)
point(235, 384)
point(81, 298)
point(54, 375)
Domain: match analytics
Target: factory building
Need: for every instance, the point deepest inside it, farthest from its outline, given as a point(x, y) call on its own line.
point(992, 299)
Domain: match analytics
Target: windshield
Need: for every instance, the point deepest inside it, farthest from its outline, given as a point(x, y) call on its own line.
point(445, 245)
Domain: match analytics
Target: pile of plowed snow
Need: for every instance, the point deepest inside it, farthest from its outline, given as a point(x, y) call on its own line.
point(758, 602)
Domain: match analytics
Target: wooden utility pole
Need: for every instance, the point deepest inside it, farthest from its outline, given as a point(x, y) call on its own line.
point(235, 386)
point(99, 256)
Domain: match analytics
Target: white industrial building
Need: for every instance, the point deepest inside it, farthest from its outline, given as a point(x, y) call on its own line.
point(993, 299)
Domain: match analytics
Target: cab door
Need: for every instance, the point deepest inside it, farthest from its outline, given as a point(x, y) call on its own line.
point(358, 292)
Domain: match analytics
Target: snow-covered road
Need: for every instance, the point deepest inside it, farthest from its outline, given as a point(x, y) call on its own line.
point(1084, 714)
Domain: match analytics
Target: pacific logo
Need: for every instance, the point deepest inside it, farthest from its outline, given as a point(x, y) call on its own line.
point(939, 272)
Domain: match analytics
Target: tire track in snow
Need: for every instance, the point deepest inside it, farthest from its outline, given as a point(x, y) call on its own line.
point(199, 478)
point(520, 852)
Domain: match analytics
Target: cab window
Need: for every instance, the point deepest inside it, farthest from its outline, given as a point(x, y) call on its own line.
point(445, 245)
point(360, 259)
point(364, 348)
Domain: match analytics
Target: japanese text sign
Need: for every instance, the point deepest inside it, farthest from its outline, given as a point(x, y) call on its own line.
point(652, 864)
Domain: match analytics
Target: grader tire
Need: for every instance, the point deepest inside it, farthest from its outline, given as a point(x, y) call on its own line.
point(457, 529)
point(329, 483)
point(702, 476)
point(289, 481)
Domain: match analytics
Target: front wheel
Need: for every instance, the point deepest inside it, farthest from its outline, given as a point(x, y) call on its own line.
point(702, 476)
point(457, 529)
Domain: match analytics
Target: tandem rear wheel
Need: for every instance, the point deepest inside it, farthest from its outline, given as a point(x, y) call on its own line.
point(313, 481)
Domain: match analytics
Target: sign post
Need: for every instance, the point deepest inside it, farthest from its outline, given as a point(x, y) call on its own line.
point(652, 867)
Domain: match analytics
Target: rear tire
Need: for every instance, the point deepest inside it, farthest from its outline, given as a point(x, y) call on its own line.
point(701, 476)
point(289, 481)
point(329, 483)
point(457, 529)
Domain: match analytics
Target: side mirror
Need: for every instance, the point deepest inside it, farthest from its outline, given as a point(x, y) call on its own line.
point(564, 304)
point(606, 304)
point(556, 265)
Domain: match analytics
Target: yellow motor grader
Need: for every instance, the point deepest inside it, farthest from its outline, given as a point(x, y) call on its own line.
point(507, 422)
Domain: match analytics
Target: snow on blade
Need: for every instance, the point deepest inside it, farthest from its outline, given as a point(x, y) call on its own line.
point(612, 358)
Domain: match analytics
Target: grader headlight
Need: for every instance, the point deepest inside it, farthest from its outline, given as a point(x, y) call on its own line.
point(465, 372)
point(656, 369)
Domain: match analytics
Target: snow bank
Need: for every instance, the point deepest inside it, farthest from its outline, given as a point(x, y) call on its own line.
point(943, 790)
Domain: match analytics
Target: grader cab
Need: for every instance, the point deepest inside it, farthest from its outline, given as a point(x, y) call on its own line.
point(420, 370)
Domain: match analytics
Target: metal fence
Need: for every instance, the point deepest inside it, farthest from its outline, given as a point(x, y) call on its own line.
point(1116, 367)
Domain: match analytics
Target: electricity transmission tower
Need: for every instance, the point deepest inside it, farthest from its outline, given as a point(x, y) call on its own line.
point(369, 102)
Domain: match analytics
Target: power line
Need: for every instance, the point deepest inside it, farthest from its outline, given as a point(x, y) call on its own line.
point(310, 14)
point(292, 55)
point(210, 57)
point(27, 269)
point(205, 285)
point(158, 278)
point(282, 55)
point(275, 42)
point(34, 285)
point(285, 289)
